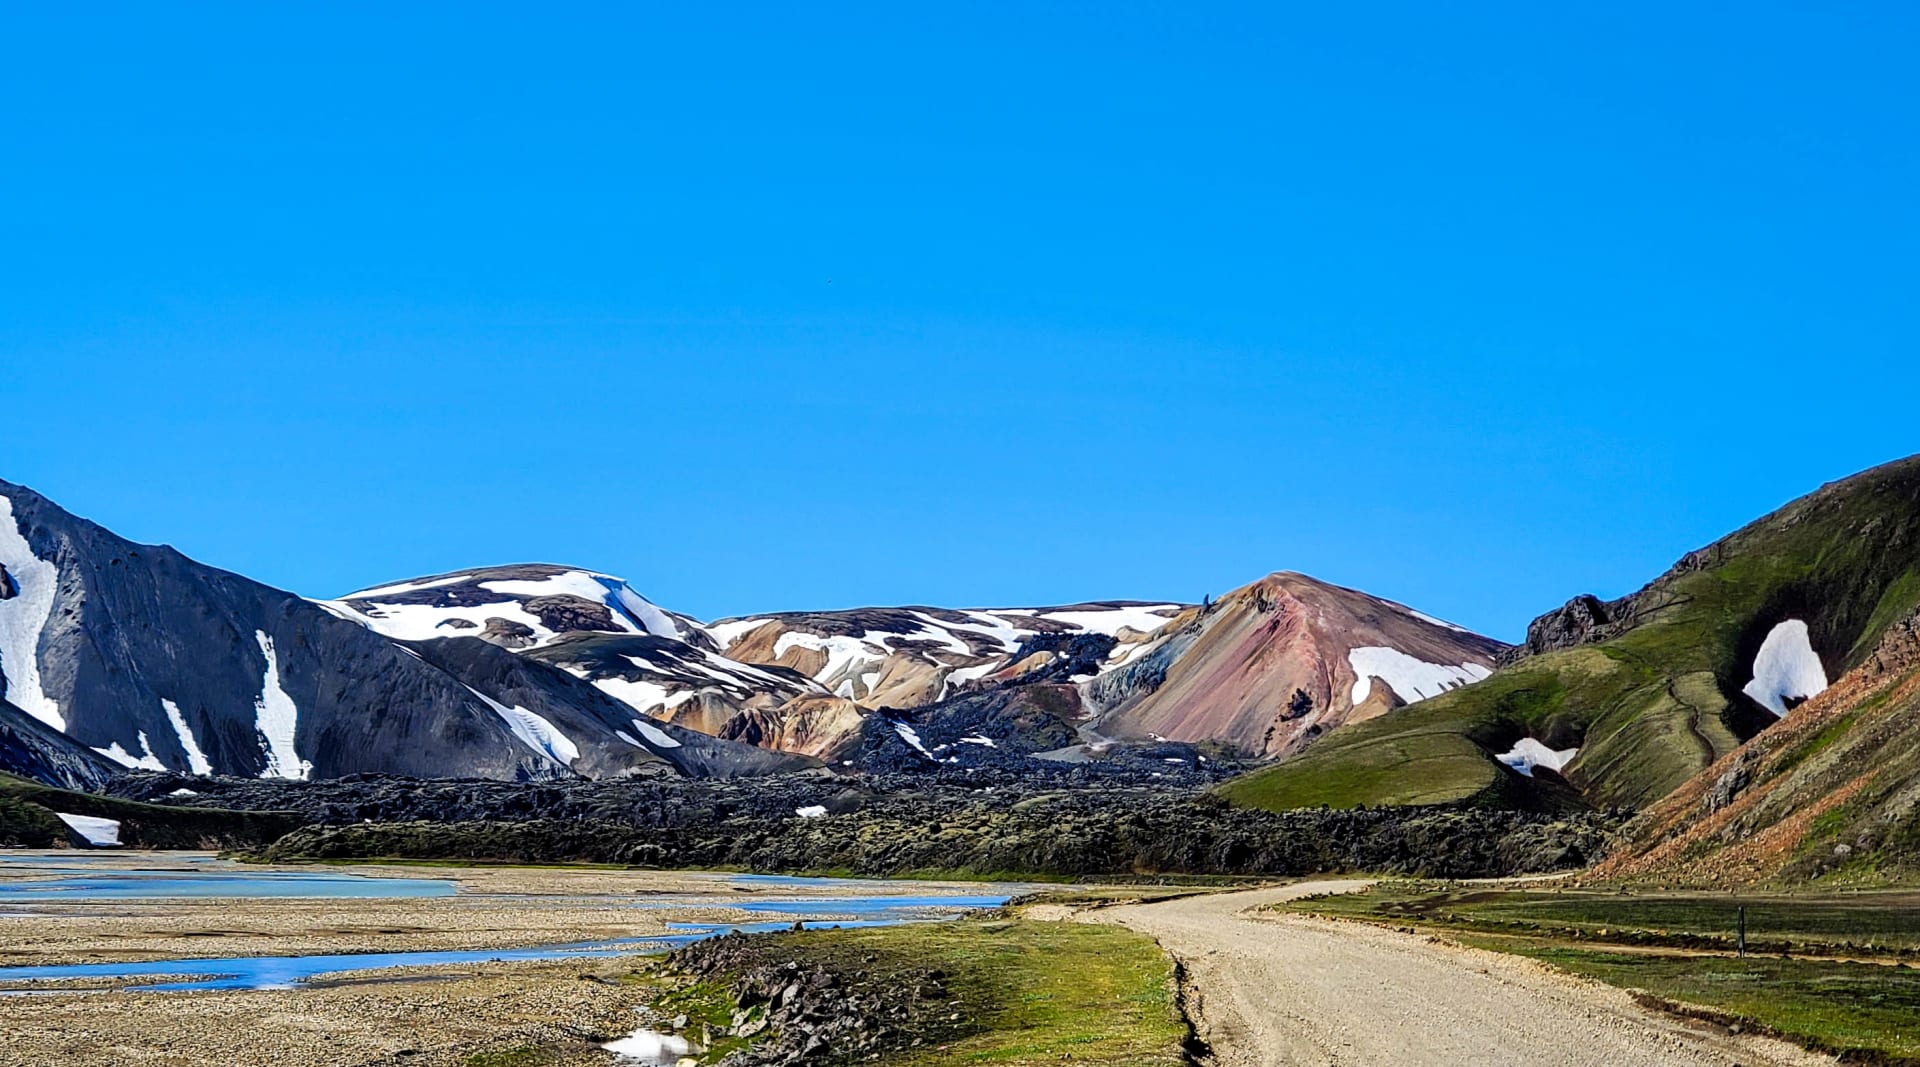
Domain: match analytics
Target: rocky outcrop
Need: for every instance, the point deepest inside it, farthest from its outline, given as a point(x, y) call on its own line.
point(810, 1013)
point(33, 750)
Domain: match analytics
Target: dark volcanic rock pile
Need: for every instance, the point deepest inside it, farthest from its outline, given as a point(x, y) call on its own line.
point(972, 820)
point(814, 1013)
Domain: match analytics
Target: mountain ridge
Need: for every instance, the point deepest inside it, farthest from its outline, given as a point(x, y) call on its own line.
point(526, 671)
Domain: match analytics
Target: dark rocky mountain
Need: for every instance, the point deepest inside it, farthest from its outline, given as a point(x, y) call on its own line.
point(153, 660)
point(32, 749)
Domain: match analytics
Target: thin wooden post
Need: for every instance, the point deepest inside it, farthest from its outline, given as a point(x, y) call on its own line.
point(1743, 931)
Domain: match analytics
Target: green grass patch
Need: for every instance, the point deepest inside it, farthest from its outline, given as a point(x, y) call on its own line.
point(1026, 993)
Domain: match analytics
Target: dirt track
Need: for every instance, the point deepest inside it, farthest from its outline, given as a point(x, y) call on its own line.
point(1269, 989)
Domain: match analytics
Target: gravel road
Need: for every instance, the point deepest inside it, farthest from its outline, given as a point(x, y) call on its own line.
point(1270, 989)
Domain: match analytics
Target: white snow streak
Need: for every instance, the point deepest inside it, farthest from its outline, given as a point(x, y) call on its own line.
point(146, 761)
point(276, 720)
point(811, 811)
point(98, 832)
point(406, 587)
point(1787, 668)
point(196, 759)
point(1413, 679)
point(22, 619)
point(1424, 617)
point(911, 737)
point(659, 737)
point(1111, 621)
point(533, 730)
point(1527, 753)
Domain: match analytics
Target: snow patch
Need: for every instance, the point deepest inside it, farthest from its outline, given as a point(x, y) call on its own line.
point(649, 1048)
point(23, 617)
point(1527, 753)
point(406, 587)
point(911, 737)
point(659, 737)
point(196, 759)
point(811, 811)
point(533, 730)
point(639, 613)
point(1424, 617)
point(725, 634)
point(276, 720)
point(1787, 668)
point(1412, 678)
point(146, 761)
point(100, 833)
point(1110, 621)
point(420, 622)
point(980, 739)
point(184, 793)
point(641, 695)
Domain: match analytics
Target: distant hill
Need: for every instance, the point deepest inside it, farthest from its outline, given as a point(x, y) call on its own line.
point(1620, 702)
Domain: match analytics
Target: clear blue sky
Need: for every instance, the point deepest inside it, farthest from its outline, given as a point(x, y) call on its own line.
point(814, 306)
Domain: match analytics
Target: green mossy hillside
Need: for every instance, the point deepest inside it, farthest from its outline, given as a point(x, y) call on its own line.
point(1651, 692)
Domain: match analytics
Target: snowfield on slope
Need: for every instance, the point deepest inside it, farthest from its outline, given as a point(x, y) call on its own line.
point(23, 617)
point(1527, 753)
point(486, 598)
point(1786, 668)
point(1412, 679)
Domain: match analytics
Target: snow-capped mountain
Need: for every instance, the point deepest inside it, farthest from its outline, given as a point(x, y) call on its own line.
point(514, 607)
point(905, 657)
point(594, 626)
point(155, 661)
point(117, 655)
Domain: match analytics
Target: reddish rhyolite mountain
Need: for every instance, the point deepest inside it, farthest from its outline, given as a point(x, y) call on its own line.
point(1272, 665)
